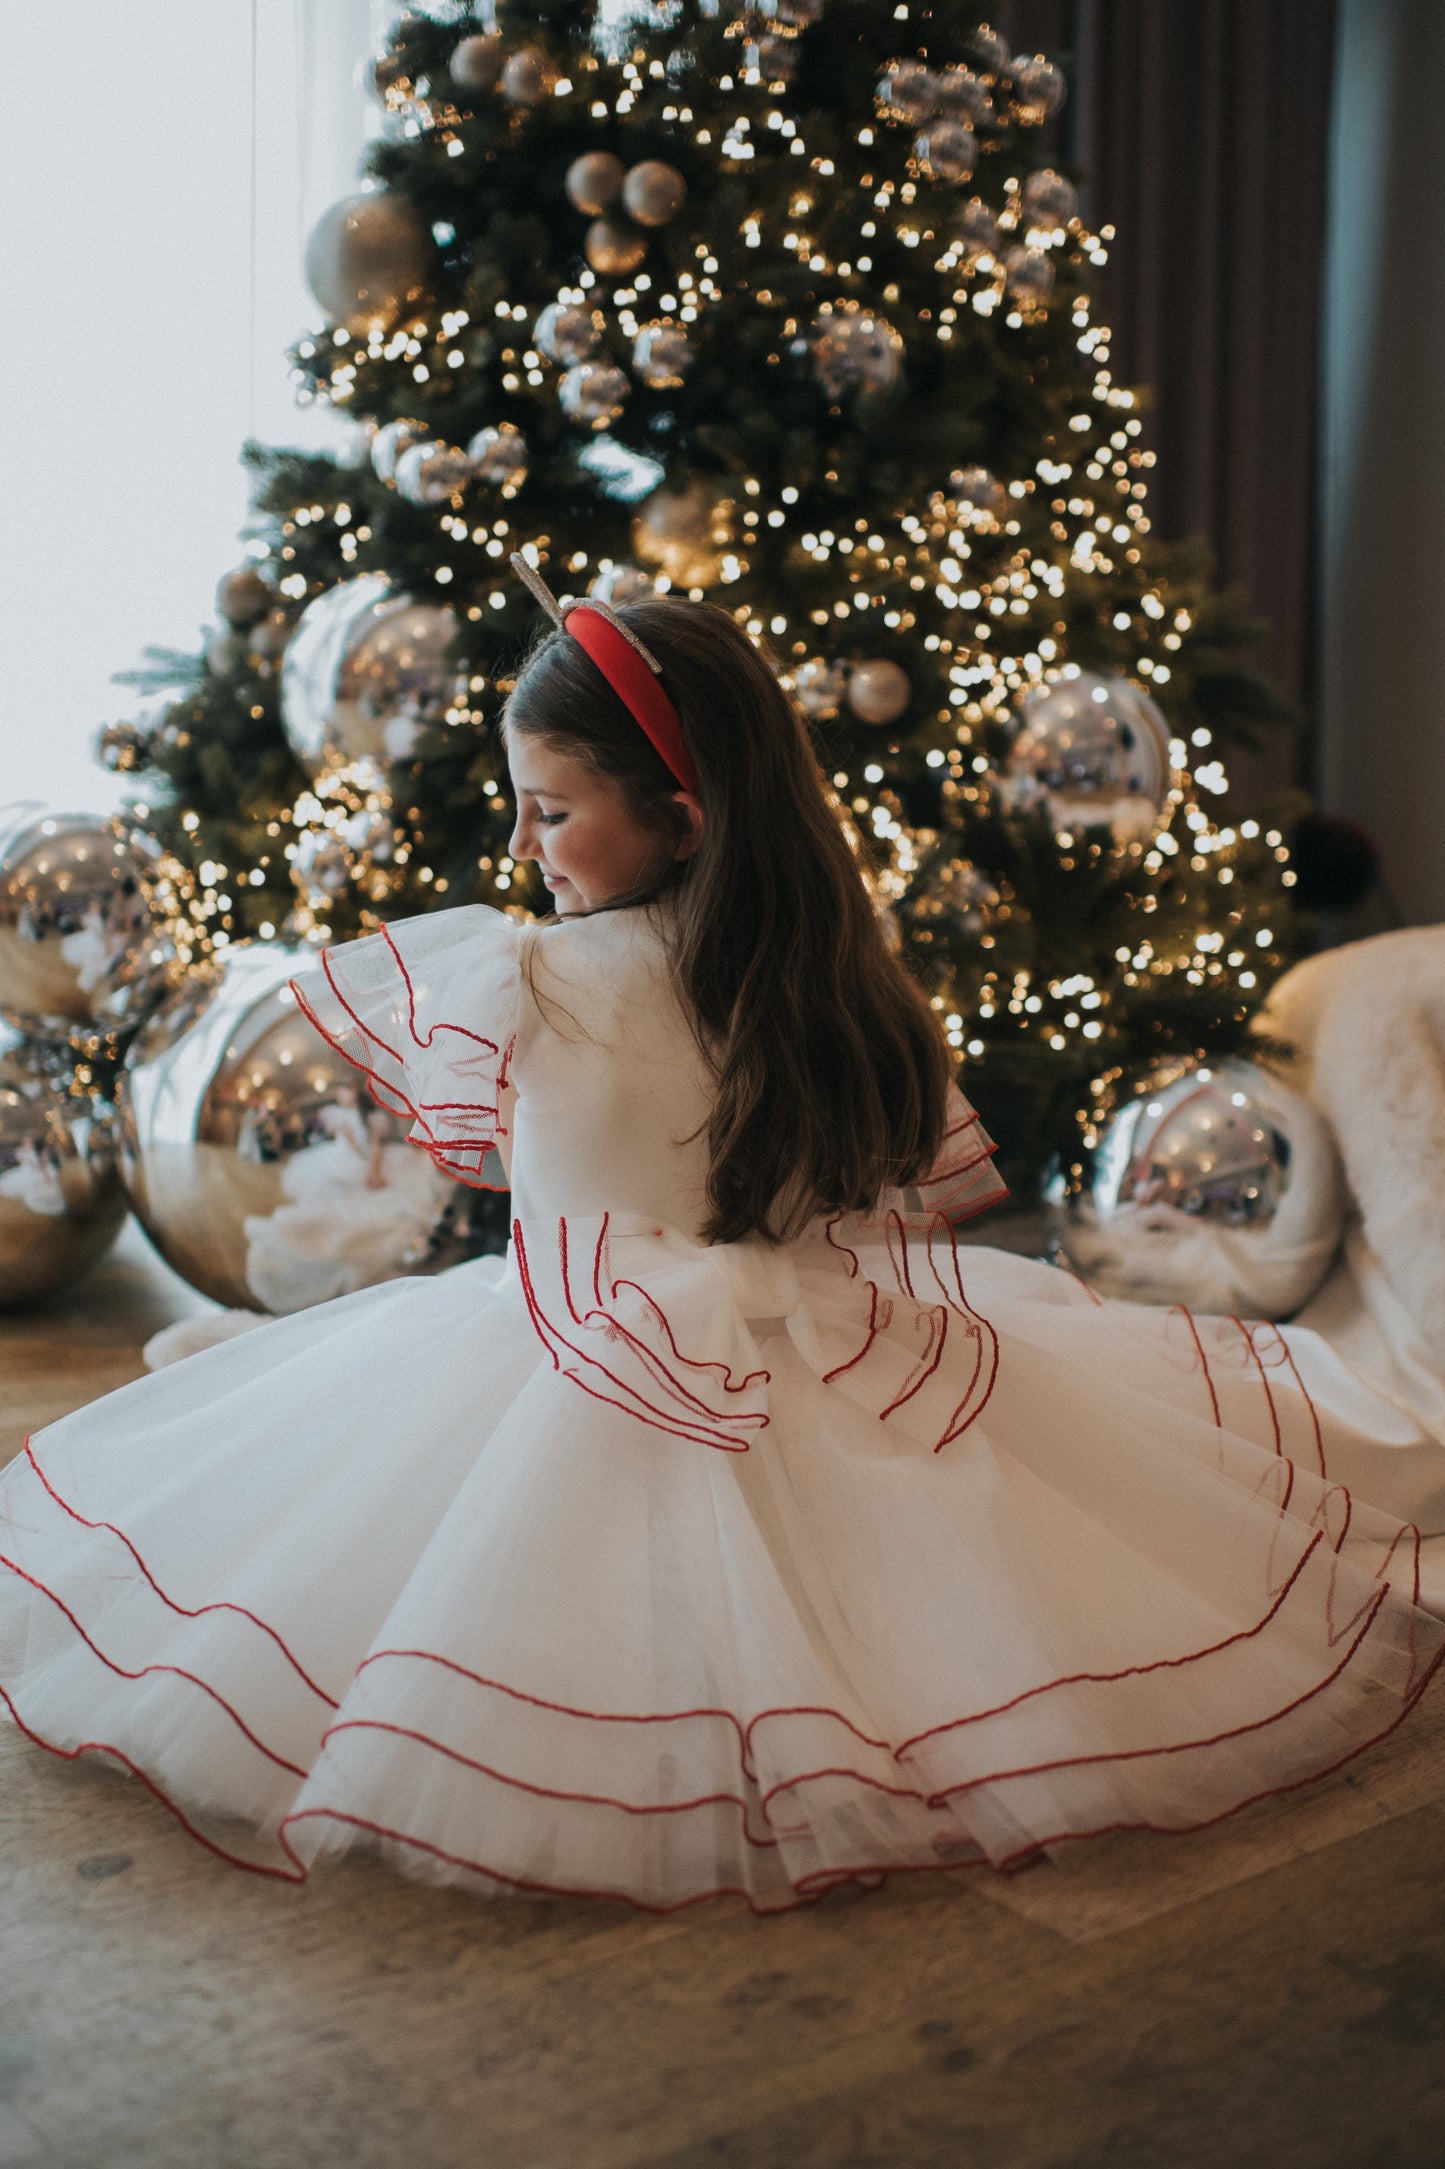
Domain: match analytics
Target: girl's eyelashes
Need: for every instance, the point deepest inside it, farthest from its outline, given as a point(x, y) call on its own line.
point(550, 820)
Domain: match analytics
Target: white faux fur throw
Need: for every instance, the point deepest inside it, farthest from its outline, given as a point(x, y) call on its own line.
point(1367, 1024)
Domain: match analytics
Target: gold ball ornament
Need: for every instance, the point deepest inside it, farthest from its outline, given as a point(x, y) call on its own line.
point(528, 77)
point(243, 596)
point(878, 691)
point(685, 533)
point(653, 192)
point(1029, 275)
point(613, 248)
point(594, 181)
point(947, 150)
point(369, 258)
point(1038, 90)
point(477, 62)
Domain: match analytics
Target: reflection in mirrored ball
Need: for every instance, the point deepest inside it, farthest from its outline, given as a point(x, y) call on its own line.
point(366, 671)
point(1207, 1142)
point(82, 955)
point(1092, 751)
point(254, 1157)
point(61, 1201)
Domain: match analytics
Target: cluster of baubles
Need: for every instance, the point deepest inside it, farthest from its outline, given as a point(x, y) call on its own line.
point(84, 958)
point(875, 689)
point(625, 204)
point(428, 472)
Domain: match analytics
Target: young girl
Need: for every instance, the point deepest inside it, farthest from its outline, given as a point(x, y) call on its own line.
point(739, 1532)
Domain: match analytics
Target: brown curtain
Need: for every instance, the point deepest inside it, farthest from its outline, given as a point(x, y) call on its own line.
point(1202, 131)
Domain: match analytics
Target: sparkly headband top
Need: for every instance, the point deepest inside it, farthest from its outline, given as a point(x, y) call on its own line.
point(634, 674)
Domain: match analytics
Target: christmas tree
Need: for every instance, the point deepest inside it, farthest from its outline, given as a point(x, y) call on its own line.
point(786, 309)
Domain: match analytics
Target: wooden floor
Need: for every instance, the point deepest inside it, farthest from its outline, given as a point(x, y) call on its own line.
point(1271, 1995)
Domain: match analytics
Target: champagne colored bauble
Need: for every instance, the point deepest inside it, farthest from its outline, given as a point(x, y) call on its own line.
point(906, 92)
point(620, 584)
point(977, 228)
point(1028, 275)
point(84, 956)
point(243, 596)
point(1038, 90)
point(987, 50)
point(855, 351)
point(366, 671)
point(1049, 200)
point(370, 257)
point(498, 455)
point(594, 181)
point(122, 747)
point(819, 688)
point(653, 192)
point(594, 393)
point(253, 1157)
point(946, 150)
point(612, 248)
point(970, 894)
point(528, 76)
point(390, 441)
point(61, 1201)
point(959, 95)
point(878, 691)
point(1091, 752)
point(685, 533)
point(269, 638)
point(566, 333)
point(432, 474)
point(662, 355)
point(477, 62)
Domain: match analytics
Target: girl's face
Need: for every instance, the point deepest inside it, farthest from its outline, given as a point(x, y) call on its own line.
point(581, 831)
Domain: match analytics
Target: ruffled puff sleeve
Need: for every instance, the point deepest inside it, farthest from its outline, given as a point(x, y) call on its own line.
point(962, 1181)
point(427, 1011)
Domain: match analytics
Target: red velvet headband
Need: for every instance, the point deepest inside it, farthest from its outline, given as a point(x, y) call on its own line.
point(634, 675)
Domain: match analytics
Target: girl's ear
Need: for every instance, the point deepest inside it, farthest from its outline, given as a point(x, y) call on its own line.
point(689, 821)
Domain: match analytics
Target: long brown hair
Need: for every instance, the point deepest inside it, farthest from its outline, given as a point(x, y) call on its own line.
point(831, 1069)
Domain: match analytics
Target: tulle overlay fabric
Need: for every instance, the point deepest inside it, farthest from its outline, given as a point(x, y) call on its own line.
point(632, 1566)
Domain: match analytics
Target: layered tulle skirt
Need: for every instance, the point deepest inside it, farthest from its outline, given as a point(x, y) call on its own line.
point(636, 1569)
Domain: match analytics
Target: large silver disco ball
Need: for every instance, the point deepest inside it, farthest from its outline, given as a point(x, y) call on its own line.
point(1218, 1187)
point(256, 1160)
point(82, 956)
point(1092, 751)
point(61, 1201)
point(365, 673)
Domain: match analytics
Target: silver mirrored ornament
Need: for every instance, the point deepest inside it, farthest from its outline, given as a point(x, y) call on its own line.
point(253, 1155)
point(819, 688)
point(390, 441)
point(619, 584)
point(906, 92)
point(978, 496)
point(1091, 751)
point(947, 150)
point(432, 474)
point(366, 672)
point(498, 455)
point(321, 866)
point(662, 355)
point(771, 58)
point(85, 953)
point(1050, 201)
point(959, 95)
point(122, 747)
point(594, 393)
point(1205, 1142)
point(1037, 89)
point(855, 351)
point(566, 333)
point(369, 258)
point(61, 1201)
point(971, 894)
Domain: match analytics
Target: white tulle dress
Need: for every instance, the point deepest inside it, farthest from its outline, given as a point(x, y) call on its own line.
point(635, 1567)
